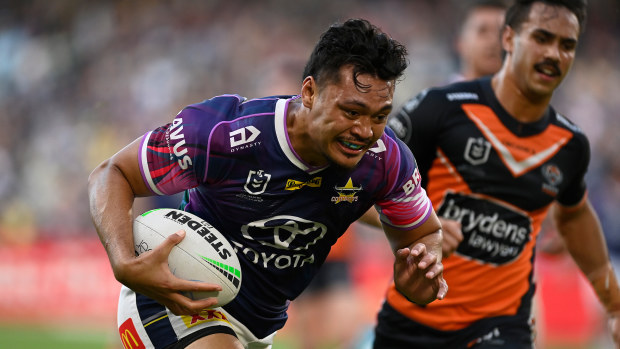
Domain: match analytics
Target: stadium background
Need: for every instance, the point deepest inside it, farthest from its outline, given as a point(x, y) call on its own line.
point(80, 79)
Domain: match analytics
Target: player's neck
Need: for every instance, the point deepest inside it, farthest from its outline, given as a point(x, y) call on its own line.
point(470, 73)
point(298, 130)
point(294, 117)
point(521, 107)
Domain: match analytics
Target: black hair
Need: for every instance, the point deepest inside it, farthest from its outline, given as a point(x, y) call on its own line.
point(359, 43)
point(520, 10)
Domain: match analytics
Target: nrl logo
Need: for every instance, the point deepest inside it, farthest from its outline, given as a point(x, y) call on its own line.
point(257, 182)
point(477, 151)
point(346, 193)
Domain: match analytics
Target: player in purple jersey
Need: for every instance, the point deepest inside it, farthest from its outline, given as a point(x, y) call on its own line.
point(282, 177)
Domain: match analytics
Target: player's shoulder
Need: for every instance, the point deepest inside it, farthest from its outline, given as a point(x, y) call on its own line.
point(564, 122)
point(393, 147)
point(389, 138)
point(232, 106)
point(223, 106)
point(465, 91)
point(446, 96)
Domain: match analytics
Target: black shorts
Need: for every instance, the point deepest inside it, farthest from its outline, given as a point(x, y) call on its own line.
point(395, 331)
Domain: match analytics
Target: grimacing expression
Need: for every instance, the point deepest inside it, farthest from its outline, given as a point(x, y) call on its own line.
point(347, 120)
point(543, 49)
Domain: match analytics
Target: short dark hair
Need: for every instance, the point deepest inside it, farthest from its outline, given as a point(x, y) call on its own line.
point(358, 43)
point(520, 10)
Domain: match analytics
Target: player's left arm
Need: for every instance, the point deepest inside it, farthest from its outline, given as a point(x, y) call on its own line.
point(583, 236)
point(418, 272)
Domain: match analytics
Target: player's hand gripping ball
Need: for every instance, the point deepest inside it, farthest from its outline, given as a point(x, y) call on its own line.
point(203, 255)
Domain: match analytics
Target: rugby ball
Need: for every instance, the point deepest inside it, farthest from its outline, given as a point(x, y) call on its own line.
point(203, 255)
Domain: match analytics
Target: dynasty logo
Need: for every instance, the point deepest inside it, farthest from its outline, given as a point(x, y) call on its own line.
point(243, 138)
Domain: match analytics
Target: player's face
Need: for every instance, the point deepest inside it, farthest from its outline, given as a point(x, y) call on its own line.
point(479, 44)
point(346, 121)
point(543, 50)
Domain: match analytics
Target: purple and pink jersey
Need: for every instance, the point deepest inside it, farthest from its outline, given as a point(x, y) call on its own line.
point(233, 158)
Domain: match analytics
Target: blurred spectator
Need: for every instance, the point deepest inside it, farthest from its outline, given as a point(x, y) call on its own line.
point(478, 44)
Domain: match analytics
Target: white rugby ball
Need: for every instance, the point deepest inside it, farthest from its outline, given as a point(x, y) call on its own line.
point(203, 255)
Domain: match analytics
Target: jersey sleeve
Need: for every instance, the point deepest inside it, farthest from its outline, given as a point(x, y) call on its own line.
point(406, 205)
point(417, 124)
point(576, 189)
point(173, 157)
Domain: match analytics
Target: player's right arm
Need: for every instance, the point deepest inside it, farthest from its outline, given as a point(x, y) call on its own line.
point(112, 187)
point(411, 226)
point(418, 272)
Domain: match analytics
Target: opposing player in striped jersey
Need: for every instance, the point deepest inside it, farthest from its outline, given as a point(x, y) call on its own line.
point(282, 177)
point(495, 158)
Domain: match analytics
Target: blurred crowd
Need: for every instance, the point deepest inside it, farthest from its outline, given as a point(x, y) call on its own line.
point(78, 79)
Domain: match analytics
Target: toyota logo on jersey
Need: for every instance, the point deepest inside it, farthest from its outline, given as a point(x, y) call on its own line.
point(285, 232)
point(292, 238)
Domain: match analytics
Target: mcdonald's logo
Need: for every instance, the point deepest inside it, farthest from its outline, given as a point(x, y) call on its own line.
point(129, 336)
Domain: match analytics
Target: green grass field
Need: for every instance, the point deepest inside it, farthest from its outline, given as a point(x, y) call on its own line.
point(31, 337)
point(37, 337)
